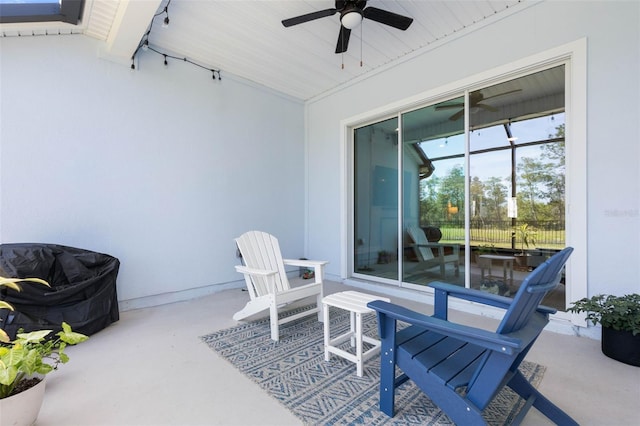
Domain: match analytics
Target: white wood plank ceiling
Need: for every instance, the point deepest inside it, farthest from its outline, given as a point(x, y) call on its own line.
point(247, 38)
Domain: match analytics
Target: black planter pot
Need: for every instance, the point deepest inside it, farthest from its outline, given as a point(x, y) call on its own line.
point(622, 346)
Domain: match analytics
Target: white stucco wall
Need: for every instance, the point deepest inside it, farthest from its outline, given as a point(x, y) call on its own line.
point(612, 30)
point(161, 168)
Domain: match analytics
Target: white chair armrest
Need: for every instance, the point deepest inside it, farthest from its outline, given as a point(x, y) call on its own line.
point(253, 271)
point(304, 263)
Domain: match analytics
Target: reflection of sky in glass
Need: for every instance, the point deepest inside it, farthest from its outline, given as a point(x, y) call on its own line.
point(497, 164)
point(444, 147)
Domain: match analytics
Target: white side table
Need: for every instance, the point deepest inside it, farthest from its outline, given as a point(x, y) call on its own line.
point(356, 304)
point(507, 263)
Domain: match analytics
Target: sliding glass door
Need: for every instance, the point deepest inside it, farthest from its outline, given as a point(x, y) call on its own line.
point(471, 193)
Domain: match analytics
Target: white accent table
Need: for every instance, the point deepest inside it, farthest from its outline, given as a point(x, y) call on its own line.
point(507, 263)
point(356, 304)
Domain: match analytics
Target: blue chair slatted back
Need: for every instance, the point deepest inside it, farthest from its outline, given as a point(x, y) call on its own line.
point(533, 289)
point(494, 366)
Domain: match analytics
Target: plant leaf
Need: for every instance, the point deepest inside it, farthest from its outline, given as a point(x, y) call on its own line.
point(7, 374)
point(34, 336)
point(70, 337)
point(5, 305)
point(12, 282)
point(4, 337)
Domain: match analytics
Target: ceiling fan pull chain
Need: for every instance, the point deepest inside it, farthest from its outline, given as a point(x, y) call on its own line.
point(361, 45)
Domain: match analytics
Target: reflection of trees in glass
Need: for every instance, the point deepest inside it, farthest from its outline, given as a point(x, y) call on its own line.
point(540, 187)
point(428, 200)
point(451, 192)
point(442, 199)
point(496, 199)
point(554, 152)
point(541, 183)
point(476, 190)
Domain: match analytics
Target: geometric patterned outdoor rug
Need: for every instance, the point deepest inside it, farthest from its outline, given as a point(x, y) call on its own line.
point(294, 372)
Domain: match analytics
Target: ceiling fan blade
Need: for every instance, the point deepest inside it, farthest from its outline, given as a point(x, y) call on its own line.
point(343, 40)
point(388, 18)
point(449, 106)
point(502, 94)
point(487, 107)
point(457, 115)
point(308, 17)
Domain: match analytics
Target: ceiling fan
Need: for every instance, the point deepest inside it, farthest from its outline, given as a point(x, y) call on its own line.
point(475, 101)
point(351, 14)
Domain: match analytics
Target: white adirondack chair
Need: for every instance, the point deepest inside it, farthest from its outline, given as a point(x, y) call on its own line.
point(267, 282)
point(424, 253)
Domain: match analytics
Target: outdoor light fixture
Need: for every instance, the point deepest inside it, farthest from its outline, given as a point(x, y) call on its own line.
point(351, 19)
point(145, 46)
point(165, 23)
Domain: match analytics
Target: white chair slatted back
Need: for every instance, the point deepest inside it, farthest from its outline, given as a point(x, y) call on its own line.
point(420, 239)
point(261, 250)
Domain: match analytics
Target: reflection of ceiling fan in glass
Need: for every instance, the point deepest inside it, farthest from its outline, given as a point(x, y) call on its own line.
point(475, 101)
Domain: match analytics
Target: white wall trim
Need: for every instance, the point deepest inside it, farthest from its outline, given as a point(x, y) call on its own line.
point(176, 296)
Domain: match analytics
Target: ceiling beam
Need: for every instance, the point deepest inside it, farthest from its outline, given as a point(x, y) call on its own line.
point(131, 22)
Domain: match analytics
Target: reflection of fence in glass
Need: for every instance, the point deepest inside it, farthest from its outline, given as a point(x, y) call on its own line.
point(549, 234)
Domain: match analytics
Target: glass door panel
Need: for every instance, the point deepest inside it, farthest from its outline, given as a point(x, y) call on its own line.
point(376, 200)
point(516, 171)
point(433, 173)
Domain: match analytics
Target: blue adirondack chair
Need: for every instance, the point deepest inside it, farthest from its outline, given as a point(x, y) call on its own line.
point(441, 357)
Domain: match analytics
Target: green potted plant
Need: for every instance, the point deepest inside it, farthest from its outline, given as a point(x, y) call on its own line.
point(25, 361)
point(619, 317)
point(526, 235)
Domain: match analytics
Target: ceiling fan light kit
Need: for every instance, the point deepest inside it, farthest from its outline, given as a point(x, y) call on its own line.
point(351, 19)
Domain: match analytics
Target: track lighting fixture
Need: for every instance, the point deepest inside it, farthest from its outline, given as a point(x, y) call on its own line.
point(145, 46)
point(165, 23)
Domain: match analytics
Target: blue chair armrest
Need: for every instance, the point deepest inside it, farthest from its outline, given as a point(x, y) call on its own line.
point(487, 339)
point(443, 290)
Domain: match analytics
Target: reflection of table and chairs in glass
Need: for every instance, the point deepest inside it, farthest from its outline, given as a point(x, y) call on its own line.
point(486, 264)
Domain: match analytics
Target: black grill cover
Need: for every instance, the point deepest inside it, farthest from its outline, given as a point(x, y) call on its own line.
point(82, 293)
